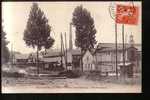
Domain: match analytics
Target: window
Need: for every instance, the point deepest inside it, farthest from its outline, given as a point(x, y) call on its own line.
point(87, 58)
point(88, 66)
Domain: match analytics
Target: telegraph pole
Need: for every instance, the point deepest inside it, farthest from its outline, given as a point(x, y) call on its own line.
point(37, 62)
point(11, 55)
point(111, 10)
point(66, 49)
point(123, 48)
point(61, 50)
point(116, 50)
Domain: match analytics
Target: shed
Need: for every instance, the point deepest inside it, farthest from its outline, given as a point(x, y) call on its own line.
point(126, 70)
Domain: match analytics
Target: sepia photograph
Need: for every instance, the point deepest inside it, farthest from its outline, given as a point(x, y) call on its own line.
point(71, 47)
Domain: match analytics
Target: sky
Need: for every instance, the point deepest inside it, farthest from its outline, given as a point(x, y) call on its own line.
point(59, 14)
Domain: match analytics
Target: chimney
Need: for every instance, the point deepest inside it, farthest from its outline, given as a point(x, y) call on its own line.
point(70, 37)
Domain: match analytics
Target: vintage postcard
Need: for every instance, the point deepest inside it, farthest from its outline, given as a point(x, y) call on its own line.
point(71, 47)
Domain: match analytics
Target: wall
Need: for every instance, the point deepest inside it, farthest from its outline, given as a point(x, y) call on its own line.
point(106, 61)
point(88, 62)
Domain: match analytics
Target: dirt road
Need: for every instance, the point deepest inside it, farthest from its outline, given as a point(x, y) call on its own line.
point(79, 85)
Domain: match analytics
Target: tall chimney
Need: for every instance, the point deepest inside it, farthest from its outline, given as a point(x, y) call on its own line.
point(70, 38)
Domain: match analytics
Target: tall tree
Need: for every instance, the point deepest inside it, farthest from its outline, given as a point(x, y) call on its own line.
point(5, 51)
point(37, 32)
point(85, 28)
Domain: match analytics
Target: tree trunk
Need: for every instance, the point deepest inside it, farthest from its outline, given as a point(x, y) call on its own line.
point(37, 61)
point(81, 60)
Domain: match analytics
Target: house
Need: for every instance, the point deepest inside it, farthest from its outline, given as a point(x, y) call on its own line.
point(19, 58)
point(76, 58)
point(105, 55)
point(54, 57)
point(33, 57)
point(88, 61)
point(126, 70)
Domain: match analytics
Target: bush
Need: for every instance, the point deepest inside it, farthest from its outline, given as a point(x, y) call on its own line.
point(12, 74)
point(93, 75)
point(69, 74)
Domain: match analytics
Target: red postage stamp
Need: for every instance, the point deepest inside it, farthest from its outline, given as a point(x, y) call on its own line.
point(127, 14)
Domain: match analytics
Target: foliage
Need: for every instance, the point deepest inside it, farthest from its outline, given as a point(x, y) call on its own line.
point(5, 51)
point(85, 28)
point(37, 32)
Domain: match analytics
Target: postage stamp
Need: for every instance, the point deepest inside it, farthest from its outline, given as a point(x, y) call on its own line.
point(127, 14)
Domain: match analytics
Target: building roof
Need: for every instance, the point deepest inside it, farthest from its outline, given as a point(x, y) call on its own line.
point(52, 54)
point(87, 51)
point(58, 53)
point(75, 52)
point(53, 59)
point(21, 56)
point(111, 46)
point(34, 55)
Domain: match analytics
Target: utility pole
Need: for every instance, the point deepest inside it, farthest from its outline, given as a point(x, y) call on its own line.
point(66, 49)
point(116, 50)
point(112, 13)
point(11, 55)
point(61, 50)
point(123, 49)
point(37, 60)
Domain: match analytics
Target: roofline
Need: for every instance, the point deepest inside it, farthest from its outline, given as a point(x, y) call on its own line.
point(101, 50)
point(121, 43)
point(52, 56)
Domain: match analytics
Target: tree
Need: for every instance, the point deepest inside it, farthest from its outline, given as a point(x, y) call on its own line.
point(37, 32)
point(85, 28)
point(5, 51)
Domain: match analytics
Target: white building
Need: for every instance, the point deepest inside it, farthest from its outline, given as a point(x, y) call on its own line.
point(88, 61)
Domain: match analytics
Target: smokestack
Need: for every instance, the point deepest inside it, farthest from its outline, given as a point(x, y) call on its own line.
point(70, 38)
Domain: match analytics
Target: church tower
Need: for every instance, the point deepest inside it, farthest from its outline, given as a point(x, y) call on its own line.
point(131, 41)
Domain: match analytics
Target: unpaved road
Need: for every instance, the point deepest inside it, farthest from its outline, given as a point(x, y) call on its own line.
point(79, 85)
